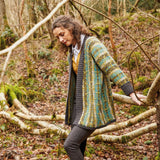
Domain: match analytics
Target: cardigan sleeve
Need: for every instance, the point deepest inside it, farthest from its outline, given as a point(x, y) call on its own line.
point(107, 64)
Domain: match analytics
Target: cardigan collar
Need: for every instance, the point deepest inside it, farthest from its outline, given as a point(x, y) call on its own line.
point(75, 50)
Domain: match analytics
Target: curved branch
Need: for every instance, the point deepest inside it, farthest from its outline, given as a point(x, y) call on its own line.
point(5, 65)
point(79, 12)
point(40, 118)
point(126, 99)
point(14, 119)
point(54, 128)
point(126, 137)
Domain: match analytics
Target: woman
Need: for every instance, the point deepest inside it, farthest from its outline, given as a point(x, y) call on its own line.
point(89, 101)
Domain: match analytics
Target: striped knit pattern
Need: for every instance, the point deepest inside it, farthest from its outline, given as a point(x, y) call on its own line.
point(95, 105)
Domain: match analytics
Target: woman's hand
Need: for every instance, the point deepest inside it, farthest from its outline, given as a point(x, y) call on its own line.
point(135, 99)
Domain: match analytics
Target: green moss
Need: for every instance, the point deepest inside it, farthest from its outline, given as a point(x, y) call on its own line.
point(141, 19)
point(2, 43)
point(4, 88)
point(56, 71)
point(158, 156)
point(34, 89)
point(125, 139)
point(135, 110)
point(14, 91)
point(33, 95)
point(142, 82)
point(141, 79)
point(154, 73)
point(7, 38)
point(145, 91)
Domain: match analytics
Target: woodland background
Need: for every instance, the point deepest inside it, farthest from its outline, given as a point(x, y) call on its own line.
point(38, 72)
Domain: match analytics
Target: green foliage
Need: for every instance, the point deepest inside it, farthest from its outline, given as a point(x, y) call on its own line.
point(19, 91)
point(154, 73)
point(44, 55)
point(13, 91)
point(135, 110)
point(3, 127)
point(134, 60)
point(7, 38)
point(145, 91)
point(141, 19)
point(53, 78)
point(2, 43)
point(63, 65)
point(125, 139)
point(101, 30)
point(33, 95)
point(27, 152)
point(89, 151)
point(12, 64)
point(142, 82)
point(158, 156)
point(142, 79)
point(145, 158)
point(34, 89)
point(148, 142)
point(56, 71)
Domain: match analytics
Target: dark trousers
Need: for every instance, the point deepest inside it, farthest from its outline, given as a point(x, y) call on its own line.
point(76, 142)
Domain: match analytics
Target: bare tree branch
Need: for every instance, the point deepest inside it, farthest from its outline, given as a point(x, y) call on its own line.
point(57, 130)
point(40, 118)
point(126, 137)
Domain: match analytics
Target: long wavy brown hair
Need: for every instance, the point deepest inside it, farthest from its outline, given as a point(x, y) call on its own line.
point(72, 25)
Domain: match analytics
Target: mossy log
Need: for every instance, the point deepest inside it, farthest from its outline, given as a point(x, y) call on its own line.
point(40, 118)
point(126, 137)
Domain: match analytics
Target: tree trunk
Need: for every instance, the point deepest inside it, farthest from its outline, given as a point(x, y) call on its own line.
point(124, 8)
point(110, 32)
point(32, 14)
point(3, 17)
point(45, 12)
point(67, 8)
point(118, 7)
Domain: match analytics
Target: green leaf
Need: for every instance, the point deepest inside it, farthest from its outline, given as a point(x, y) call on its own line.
point(148, 142)
point(145, 158)
point(3, 127)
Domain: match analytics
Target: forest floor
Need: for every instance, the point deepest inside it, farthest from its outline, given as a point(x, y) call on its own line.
point(50, 83)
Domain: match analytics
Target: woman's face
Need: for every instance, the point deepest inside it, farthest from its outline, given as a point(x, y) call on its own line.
point(64, 36)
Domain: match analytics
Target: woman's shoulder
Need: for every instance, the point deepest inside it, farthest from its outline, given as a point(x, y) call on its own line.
point(91, 40)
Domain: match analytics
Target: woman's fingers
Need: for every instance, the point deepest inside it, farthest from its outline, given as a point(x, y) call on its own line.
point(135, 99)
point(141, 96)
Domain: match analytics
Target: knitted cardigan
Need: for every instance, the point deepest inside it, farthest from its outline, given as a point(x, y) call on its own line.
point(92, 87)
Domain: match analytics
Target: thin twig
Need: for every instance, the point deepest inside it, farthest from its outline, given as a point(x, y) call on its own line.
point(84, 19)
point(129, 67)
